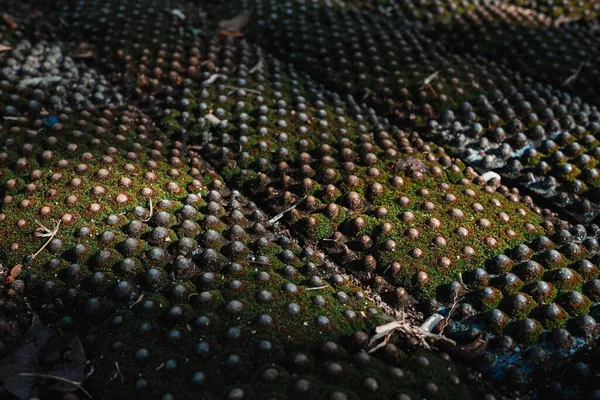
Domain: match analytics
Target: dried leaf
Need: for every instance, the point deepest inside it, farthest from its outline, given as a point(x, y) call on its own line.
point(258, 66)
point(4, 47)
point(8, 20)
point(236, 24)
point(16, 270)
point(573, 77)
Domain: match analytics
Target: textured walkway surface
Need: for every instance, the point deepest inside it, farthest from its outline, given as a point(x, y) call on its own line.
point(282, 199)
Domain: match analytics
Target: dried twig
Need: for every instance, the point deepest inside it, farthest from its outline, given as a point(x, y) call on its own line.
point(119, 372)
point(90, 372)
point(211, 79)
point(386, 331)
point(258, 66)
point(387, 269)
point(151, 212)
point(37, 81)
point(63, 22)
point(242, 88)
point(137, 301)
point(446, 320)
point(564, 20)
point(430, 78)
point(42, 231)
point(573, 77)
point(78, 385)
point(367, 94)
point(316, 288)
point(281, 214)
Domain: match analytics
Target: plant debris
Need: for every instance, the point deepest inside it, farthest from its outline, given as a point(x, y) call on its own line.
point(234, 25)
point(9, 20)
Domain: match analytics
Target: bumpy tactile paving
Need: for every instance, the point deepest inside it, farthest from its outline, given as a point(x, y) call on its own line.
point(107, 222)
point(459, 101)
point(563, 9)
point(218, 222)
point(565, 55)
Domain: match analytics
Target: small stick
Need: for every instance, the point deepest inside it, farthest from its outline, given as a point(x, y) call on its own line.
point(119, 372)
point(42, 231)
point(90, 372)
point(431, 77)
point(137, 301)
point(573, 77)
point(281, 214)
point(59, 378)
point(256, 67)
point(151, 212)
point(37, 81)
point(385, 331)
point(444, 321)
point(387, 269)
point(246, 89)
point(316, 288)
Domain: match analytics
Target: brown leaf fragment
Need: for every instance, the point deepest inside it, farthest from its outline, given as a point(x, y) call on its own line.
point(4, 47)
point(8, 20)
point(16, 270)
